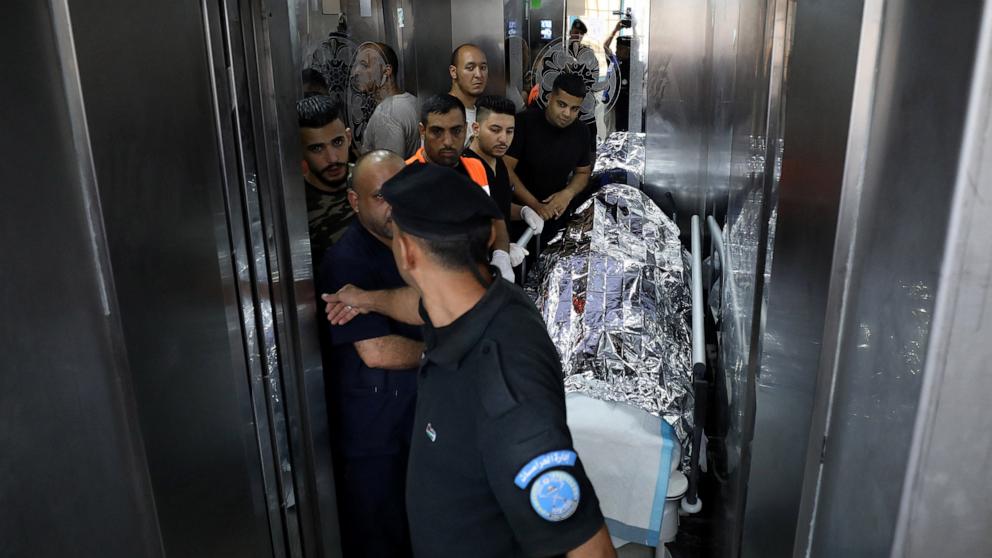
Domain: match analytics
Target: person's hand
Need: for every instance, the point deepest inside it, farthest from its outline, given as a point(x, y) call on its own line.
point(533, 220)
point(517, 254)
point(502, 262)
point(558, 202)
point(344, 305)
point(544, 211)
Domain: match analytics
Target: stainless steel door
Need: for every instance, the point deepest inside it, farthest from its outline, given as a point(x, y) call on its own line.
point(73, 478)
point(163, 312)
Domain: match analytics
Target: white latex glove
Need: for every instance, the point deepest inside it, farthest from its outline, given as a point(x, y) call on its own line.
point(517, 254)
point(532, 219)
point(502, 262)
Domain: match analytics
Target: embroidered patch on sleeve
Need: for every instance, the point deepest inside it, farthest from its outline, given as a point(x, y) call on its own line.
point(541, 463)
point(555, 496)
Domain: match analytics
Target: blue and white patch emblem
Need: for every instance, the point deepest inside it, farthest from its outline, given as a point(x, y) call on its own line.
point(542, 463)
point(555, 495)
point(431, 435)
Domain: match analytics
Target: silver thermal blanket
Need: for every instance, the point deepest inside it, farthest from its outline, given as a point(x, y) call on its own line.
point(613, 290)
point(621, 158)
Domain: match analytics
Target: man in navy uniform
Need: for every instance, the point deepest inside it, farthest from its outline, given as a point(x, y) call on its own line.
point(372, 366)
point(492, 469)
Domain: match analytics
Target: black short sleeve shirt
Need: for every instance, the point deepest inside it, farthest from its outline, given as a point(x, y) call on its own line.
point(362, 260)
point(546, 154)
point(499, 184)
point(492, 470)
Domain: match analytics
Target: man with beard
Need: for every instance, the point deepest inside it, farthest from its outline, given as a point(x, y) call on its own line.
point(469, 71)
point(372, 376)
point(325, 140)
point(549, 160)
point(443, 130)
point(393, 124)
point(492, 134)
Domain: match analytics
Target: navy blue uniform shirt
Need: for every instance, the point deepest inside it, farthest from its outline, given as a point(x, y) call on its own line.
point(370, 404)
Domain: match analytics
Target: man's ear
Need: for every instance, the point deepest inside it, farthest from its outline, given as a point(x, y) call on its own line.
point(406, 250)
point(423, 130)
point(347, 134)
point(453, 72)
point(353, 200)
point(475, 128)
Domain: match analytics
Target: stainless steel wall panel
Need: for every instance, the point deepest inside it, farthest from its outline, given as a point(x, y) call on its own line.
point(946, 506)
point(360, 28)
point(429, 26)
point(820, 87)
point(73, 479)
point(294, 298)
point(675, 115)
point(640, 46)
point(721, 59)
point(154, 142)
point(886, 273)
point(749, 109)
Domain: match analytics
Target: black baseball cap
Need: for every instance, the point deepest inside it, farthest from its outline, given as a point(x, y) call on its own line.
point(437, 202)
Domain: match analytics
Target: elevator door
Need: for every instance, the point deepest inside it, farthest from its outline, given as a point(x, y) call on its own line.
point(163, 391)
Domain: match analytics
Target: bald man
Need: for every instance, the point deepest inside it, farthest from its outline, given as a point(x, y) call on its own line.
point(371, 373)
point(469, 71)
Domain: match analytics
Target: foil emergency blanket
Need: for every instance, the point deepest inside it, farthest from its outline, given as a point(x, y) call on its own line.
point(613, 290)
point(621, 151)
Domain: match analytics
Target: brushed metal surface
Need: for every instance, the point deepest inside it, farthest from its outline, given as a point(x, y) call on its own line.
point(73, 478)
point(429, 27)
point(820, 88)
point(946, 491)
point(675, 109)
point(295, 311)
point(159, 158)
point(892, 232)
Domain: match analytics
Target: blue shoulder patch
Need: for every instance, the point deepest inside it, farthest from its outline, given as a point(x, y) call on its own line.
point(555, 496)
point(542, 463)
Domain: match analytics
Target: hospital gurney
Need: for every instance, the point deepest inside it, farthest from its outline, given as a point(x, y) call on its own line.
point(614, 289)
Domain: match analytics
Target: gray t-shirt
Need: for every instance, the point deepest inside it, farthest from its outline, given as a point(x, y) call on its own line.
point(393, 126)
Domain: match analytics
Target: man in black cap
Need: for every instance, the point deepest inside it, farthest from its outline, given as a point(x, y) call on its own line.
point(492, 469)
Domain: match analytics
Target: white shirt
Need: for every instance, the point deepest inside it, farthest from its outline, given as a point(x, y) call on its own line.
point(469, 120)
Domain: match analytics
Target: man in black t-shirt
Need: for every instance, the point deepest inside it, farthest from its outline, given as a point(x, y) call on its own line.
point(492, 134)
point(549, 161)
point(493, 472)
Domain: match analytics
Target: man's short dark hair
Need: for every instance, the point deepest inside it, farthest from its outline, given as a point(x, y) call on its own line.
point(571, 84)
point(493, 104)
point(318, 111)
point(462, 252)
point(579, 26)
point(454, 53)
point(440, 104)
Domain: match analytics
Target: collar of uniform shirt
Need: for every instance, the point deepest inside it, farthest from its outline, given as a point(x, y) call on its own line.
point(448, 346)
